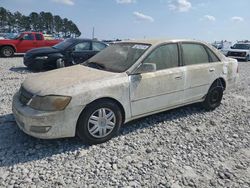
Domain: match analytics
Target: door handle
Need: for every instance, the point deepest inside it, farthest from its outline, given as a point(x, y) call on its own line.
point(178, 77)
point(211, 69)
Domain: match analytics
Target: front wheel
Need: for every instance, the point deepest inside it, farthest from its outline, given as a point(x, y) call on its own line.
point(7, 51)
point(214, 96)
point(60, 63)
point(247, 58)
point(99, 122)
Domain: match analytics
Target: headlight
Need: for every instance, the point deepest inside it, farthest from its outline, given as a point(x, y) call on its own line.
point(42, 57)
point(243, 54)
point(49, 103)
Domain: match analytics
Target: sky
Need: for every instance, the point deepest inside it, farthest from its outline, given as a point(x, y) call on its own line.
point(206, 20)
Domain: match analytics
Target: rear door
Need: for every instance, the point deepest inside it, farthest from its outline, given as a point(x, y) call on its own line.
point(202, 68)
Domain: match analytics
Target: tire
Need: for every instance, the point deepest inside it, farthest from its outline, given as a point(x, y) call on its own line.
point(7, 51)
point(93, 127)
point(247, 58)
point(60, 63)
point(214, 96)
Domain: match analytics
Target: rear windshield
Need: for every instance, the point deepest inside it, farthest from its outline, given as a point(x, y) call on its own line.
point(118, 57)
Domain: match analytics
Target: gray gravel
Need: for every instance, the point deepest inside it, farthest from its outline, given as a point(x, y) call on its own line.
point(185, 147)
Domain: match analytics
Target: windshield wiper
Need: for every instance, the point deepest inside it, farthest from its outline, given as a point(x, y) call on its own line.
point(94, 65)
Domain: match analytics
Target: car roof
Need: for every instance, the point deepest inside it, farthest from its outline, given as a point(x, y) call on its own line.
point(159, 41)
point(83, 40)
point(243, 43)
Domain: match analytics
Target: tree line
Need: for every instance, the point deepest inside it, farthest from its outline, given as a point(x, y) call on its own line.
point(44, 22)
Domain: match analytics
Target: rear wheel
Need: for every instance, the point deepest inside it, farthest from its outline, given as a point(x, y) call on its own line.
point(214, 96)
point(7, 51)
point(99, 122)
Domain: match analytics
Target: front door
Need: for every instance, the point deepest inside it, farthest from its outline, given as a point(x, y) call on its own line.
point(26, 43)
point(81, 52)
point(155, 91)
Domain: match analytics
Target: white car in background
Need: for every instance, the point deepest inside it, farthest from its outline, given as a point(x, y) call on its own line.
point(125, 81)
point(240, 51)
point(222, 46)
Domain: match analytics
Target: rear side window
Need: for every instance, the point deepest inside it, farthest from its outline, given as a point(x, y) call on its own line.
point(164, 57)
point(97, 46)
point(194, 54)
point(39, 37)
point(213, 57)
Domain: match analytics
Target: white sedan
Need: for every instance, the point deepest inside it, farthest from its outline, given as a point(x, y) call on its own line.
point(125, 81)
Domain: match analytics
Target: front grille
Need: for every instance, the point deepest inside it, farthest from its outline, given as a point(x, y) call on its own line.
point(25, 96)
point(237, 54)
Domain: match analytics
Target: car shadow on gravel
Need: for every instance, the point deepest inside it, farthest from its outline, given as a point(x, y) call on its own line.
point(20, 70)
point(16, 147)
point(166, 116)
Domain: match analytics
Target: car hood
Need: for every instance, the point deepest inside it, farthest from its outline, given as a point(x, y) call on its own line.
point(43, 50)
point(67, 81)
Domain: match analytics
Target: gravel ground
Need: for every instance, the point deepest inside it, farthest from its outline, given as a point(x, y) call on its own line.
point(185, 147)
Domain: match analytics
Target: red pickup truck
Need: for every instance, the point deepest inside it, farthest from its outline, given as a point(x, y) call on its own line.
point(24, 42)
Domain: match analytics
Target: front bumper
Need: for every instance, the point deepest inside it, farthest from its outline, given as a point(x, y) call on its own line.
point(34, 63)
point(238, 57)
point(45, 125)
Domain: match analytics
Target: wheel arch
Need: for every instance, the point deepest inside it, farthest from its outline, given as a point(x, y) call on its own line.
point(8, 45)
point(110, 99)
point(222, 82)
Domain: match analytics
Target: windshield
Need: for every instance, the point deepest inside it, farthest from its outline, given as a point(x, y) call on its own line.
point(242, 46)
point(16, 36)
point(118, 57)
point(63, 45)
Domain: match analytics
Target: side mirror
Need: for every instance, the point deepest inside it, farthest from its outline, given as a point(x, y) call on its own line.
point(21, 38)
point(146, 67)
point(231, 47)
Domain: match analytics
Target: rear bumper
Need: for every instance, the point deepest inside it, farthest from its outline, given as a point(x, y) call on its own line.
point(232, 82)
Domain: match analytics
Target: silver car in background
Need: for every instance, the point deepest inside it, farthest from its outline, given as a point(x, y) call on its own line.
point(125, 81)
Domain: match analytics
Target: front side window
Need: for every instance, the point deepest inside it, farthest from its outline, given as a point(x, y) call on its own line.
point(194, 54)
point(164, 57)
point(28, 36)
point(83, 46)
point(97, 46)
